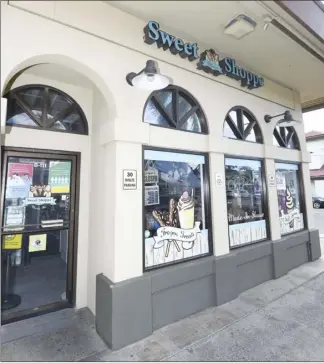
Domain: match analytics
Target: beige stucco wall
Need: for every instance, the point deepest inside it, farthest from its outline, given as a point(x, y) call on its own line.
point(117, 133)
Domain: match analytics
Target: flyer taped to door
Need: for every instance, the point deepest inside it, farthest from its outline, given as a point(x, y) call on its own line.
point(12, 242)
point(37, 243)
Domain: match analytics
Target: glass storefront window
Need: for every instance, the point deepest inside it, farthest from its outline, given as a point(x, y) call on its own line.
point(176, 207)
point(245, 201)
point(289, 201)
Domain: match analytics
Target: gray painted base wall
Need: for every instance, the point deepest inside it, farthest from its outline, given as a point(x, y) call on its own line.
point(133, 309)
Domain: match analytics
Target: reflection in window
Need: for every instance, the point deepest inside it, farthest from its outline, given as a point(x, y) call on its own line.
point(20, 117)
point(245, 201)
point(240, 124)
point(289, 203)
point(285, 137)
point(45, 107)
point(173, 107)
point(176, 207)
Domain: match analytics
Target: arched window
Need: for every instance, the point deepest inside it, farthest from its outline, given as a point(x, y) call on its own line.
point(44, 107)
point(285, 137)
point(175, 108)
point(240, 124)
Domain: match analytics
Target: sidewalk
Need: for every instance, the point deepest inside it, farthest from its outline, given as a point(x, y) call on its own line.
point(280, 320)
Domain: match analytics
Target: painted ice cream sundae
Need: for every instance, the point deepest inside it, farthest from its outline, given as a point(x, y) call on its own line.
point(289, 200)
point(289, 205)
point(186, 211)
point(170, 219)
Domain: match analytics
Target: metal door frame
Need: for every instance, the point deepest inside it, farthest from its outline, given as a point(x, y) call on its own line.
point(75, 158)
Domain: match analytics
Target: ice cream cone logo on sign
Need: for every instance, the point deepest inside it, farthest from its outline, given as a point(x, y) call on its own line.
point(209, 62)
point(183, 214)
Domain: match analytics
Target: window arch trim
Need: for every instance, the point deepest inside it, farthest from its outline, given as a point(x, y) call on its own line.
point(172, 119)
point(239, 132)
point(285, 135)
point(11, 96)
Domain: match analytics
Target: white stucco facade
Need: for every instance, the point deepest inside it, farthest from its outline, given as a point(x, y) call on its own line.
point(103, 51)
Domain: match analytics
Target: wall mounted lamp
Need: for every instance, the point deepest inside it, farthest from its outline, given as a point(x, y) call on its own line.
point(148, 78)
point(287, 119)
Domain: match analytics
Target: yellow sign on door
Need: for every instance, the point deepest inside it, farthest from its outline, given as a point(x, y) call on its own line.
point(12, 242)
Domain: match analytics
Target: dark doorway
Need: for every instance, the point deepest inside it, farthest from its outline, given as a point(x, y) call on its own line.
point(38, 232)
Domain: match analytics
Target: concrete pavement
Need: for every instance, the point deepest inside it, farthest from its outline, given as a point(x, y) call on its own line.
point(280, 320)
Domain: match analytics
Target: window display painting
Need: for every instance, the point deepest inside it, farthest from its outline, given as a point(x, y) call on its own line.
point(245, 201)
point(288, 191)
point(176, 226)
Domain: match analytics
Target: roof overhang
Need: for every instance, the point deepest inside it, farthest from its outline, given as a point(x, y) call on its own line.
point(285, 52)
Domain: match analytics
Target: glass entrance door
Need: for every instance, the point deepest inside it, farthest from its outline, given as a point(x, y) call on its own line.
point(37, 233)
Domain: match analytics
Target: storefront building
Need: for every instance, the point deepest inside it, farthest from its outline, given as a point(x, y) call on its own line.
point(143, 206)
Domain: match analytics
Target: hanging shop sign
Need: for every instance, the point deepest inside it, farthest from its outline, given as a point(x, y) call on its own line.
point(208, 60)
point(39, 201)
point(12, 242)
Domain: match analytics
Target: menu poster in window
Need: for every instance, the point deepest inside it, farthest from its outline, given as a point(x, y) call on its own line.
point(59, 176)
point(151, 176)
point(281, 181)
point(19, 178)
point(152, 195)
point(14, 217)
point(37, 243)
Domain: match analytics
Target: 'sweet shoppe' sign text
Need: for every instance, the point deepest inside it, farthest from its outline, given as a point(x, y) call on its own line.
point(208, 60)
